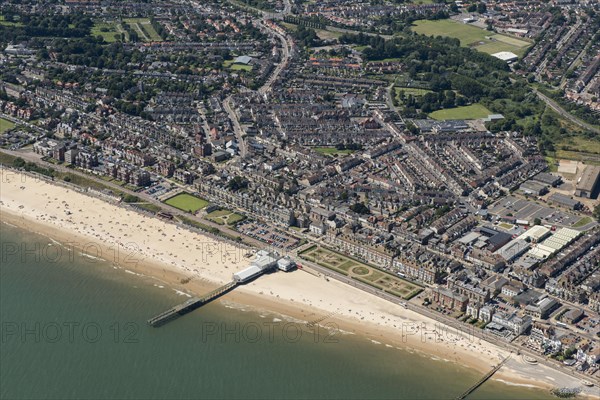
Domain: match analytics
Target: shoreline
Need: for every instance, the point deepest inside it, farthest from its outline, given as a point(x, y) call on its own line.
point(298, 294)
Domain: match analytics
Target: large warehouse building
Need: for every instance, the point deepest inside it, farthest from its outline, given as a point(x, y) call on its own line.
point(588, 182)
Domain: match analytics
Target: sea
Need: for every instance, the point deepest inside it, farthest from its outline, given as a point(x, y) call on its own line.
point(75, 327)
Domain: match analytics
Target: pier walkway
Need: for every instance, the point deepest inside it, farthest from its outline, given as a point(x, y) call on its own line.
point(482, 380)
point(190, 305)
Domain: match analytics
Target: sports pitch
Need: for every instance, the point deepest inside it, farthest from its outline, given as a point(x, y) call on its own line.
point(471, 36)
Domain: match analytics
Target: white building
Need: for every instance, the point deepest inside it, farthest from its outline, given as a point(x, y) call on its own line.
point(506, 56)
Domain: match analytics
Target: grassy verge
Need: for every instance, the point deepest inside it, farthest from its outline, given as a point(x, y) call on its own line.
point(582, 222)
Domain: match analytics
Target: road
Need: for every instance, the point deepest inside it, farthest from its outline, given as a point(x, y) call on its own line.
point(556, 107)
point(462, 327)
point(24, 123)
point(286, 49)
point(237, 128)
point(469, 330)
point(541, 68)
point(32, 157)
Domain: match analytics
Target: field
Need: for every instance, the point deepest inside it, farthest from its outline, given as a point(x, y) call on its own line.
point(144, 29)
point(331, 151)
point(232, 65)
point(361, 272)
point(225, 216)
point(241, 67)
point(187, 202)
point(471, 36)
point(578, 148)
point(474, 111)
point(5, 125)
point(109, 31)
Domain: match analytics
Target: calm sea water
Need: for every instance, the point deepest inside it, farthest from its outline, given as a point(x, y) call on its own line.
point(74, 328)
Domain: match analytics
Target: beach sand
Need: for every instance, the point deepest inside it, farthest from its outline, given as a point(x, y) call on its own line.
point(169, 253)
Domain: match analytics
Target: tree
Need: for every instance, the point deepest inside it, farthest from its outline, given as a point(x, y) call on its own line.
point(129, 198)
point(360, 208)
point(597, 212)
point(237, 183)
point(18, 162)
point(537, 221)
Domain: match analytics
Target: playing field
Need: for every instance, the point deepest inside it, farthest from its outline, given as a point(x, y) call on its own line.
point(225, 216)
point(187, 202)
point(5, 125)
point(471, 36)
point(144, 29)
point(474, 111)
point(361, 272)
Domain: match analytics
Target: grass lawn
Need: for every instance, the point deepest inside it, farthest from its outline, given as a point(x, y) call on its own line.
point(414, 91)
point(496, 47)
point(582, 222)
point(471, 36)
point(232, 65)
point(144, 28)
point(187, 202)
point(4, 22)
point(578, 148)
point(225, 216)
point(467, 34)
point(474, 111)
point(361, 272)
point(106, 30)
point(241, 67)
point(5, 125)
point(580, 144)
point(323, 34)
point(331, 151)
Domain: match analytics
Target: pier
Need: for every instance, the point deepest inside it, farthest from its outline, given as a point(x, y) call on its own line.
point(482, 380)
point(190, 305)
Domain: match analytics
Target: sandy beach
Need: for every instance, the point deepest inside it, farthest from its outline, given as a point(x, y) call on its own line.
point(170, 253)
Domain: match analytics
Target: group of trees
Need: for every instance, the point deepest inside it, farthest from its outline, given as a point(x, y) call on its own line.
point(432, 101)
point(158, 28)
point(237, 183)
point(92, 52)
point(306, 36)
point(457, 76)
point(25, 27)
point(360, 208)
point(316, 22)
